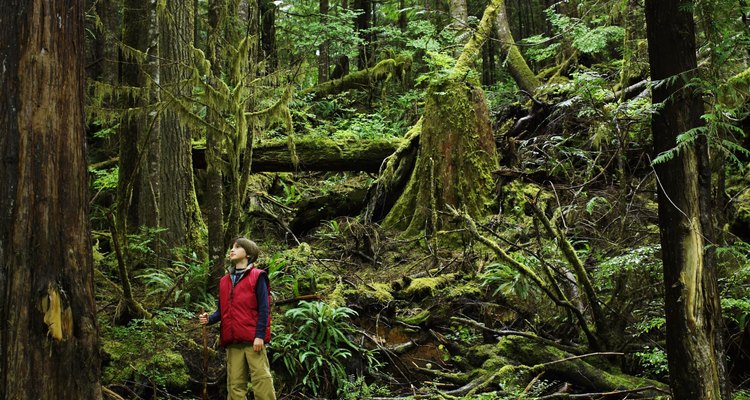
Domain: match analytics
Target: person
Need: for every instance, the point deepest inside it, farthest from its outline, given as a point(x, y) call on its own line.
point(245, 315)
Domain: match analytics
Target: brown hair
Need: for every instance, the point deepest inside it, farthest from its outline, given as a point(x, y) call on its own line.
point(250, 247)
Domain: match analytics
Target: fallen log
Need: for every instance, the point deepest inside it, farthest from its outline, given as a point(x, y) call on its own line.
point(316, 154)
point(363, 79)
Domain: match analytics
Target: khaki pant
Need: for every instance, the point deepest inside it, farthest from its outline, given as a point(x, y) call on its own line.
point(242, 362)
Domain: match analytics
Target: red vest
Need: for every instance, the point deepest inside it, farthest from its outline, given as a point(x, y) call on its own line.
point(239, 308)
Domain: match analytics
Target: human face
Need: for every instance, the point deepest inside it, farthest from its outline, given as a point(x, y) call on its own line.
point(237, 253)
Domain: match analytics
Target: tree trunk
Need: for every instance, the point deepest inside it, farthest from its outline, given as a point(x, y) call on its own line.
point(691, 295)
point(517, 66)
point(459, 24)
point(178, 205)
point(363, 23)
point(139, 139)
point(324, 62)
point(213, 210)
point(268, 35)
point(49, 346)
point(456, 148)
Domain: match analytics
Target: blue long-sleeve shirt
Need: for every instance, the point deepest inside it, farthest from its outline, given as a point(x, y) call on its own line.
point(261, 295)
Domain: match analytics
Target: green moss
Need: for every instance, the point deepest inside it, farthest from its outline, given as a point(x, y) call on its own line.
point(470, 289)
point(455, 160)
point(382, 292)
point(428, 285)
point(128, 360)
point(415, 319)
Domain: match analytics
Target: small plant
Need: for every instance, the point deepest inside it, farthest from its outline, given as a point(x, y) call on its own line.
point(319, 346)
point(184, 281)
point(654, 361)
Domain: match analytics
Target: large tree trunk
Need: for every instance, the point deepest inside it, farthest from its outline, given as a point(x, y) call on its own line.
point(456, 147)
point(49, 346)
point(139, 140)
point(691, 296)
point(178, 206)
point(213, 210)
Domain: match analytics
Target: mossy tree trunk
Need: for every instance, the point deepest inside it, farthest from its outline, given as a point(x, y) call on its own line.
point(693, 312)
point(456, 147)
point(213, 210)
point(178, 205)
point(49, 345)
point(517, 66)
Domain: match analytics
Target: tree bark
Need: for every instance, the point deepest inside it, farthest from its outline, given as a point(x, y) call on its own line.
point(363, 23)
point(459, 23)
point(137, 197)
point(324, 61)
point(268, 35)
point(213, 210)
point(178, 205)
point(691, 295)
point(49, 346)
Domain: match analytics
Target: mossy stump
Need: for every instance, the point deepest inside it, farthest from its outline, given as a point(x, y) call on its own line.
point(456, 156)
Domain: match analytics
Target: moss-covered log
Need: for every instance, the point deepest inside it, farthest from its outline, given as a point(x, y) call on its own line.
point(311, 212)
point(456, 147)
point(363, 79)
point(515, 361)
point(316, 154)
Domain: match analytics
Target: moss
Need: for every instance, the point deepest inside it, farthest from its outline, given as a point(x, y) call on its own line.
point(455, 160)
point(428, 285)
point(470, 289)
point(417, 318)
point(128, 361)
point(381, 292)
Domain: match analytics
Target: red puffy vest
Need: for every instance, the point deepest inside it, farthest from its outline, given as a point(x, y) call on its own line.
point(239, 308)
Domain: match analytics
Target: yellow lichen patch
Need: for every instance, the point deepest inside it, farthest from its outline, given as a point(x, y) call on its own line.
point(57, 315)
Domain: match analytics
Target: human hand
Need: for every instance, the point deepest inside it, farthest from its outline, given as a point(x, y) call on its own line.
point(258, 345)
point(203, 318)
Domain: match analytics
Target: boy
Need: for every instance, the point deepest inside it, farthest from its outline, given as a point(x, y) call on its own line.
point(245, 315)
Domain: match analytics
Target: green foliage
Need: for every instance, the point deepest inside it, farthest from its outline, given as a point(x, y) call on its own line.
point(317, 342)
point(356, 388)
point(534, 50)
point(507, 281)
point(105, 179)
point(654, 361)
point(146, 350)
point(642, 260)
point(185, 282)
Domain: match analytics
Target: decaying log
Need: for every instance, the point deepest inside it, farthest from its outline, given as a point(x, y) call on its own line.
point(312, 211)
point(315, 154)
